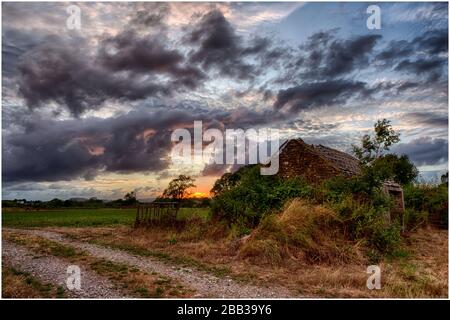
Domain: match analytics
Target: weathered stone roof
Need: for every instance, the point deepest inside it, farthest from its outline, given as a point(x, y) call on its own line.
point(338, 159)
point(343, 161)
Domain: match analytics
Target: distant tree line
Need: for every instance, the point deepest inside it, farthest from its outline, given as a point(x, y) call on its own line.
point(70, 203)
point(177, 190)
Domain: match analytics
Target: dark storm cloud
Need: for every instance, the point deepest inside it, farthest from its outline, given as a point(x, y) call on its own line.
point(139, 141)
point(128, 66)
point(218, 47)
point(425, 55)
point(132, 66)
point(428, 46)
point(62, 72)
point(346, 56)
point(323, 55)
point(66, 75)
point(319, 73)
point(50, 150)
point(148, 55)
point(424, 150)
point(318, 94)
point(433, 42)
point(395, 50)
point(420, 66)
point(45, 154)
point(129, 52)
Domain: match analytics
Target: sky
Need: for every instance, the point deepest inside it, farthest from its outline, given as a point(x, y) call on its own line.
point(89, 112)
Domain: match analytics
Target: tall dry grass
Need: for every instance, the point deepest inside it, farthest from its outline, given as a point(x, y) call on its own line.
point(302, 232)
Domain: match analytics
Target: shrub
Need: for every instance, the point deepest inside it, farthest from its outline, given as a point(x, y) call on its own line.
point(369, 221)
point(414, 218)
point(431, 199)
point(334, 189)
point(253, 195)
point(386, 238)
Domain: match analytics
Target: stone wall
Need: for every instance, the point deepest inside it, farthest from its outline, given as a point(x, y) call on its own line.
point(299, 159)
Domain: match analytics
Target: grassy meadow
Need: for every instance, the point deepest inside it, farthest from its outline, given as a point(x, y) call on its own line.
point(101, 217)
point(302, 249)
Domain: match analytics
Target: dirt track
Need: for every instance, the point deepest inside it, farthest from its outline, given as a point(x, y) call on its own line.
point(204, 284)
point(54, 270)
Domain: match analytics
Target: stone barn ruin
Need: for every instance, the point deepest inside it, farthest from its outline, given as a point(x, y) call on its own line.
point(317, 163)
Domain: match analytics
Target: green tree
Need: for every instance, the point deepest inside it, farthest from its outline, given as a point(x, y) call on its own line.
point(229, 180)
point(378, 167)
point(178, 188)
point(130, 198)
point(398, 168)
point(372, 147)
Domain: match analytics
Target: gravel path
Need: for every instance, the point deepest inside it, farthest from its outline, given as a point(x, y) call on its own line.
point(53, 270)
point(205, 284)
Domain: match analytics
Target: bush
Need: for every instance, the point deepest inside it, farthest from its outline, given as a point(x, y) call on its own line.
point(414, 218)
point(369, 221)
point(253, 195)
point(428, 199)
point(386, 238)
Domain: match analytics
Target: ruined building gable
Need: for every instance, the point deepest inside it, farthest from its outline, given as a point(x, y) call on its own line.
point(317, 163)
point(314, 163)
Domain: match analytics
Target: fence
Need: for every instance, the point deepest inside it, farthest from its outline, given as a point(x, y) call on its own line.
point(156, 213)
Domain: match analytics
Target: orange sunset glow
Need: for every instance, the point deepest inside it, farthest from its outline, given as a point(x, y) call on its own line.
point(198, 195)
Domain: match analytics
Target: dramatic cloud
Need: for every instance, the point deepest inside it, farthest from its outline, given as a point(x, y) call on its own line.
point(148, 55)
point(421, 66)
point(318, 94)
point(425, 151)
point(139, 141)
point(329, 57)
point(424, 55)
point(394, 51)
point(220, 48)
point(102, 101)
point(433, 42)
point(127, 68)
point(50, 150)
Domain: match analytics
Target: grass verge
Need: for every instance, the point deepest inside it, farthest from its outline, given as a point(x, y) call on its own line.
point(18, 284)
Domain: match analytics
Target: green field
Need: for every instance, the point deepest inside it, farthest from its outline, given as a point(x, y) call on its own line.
point(82, 217)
